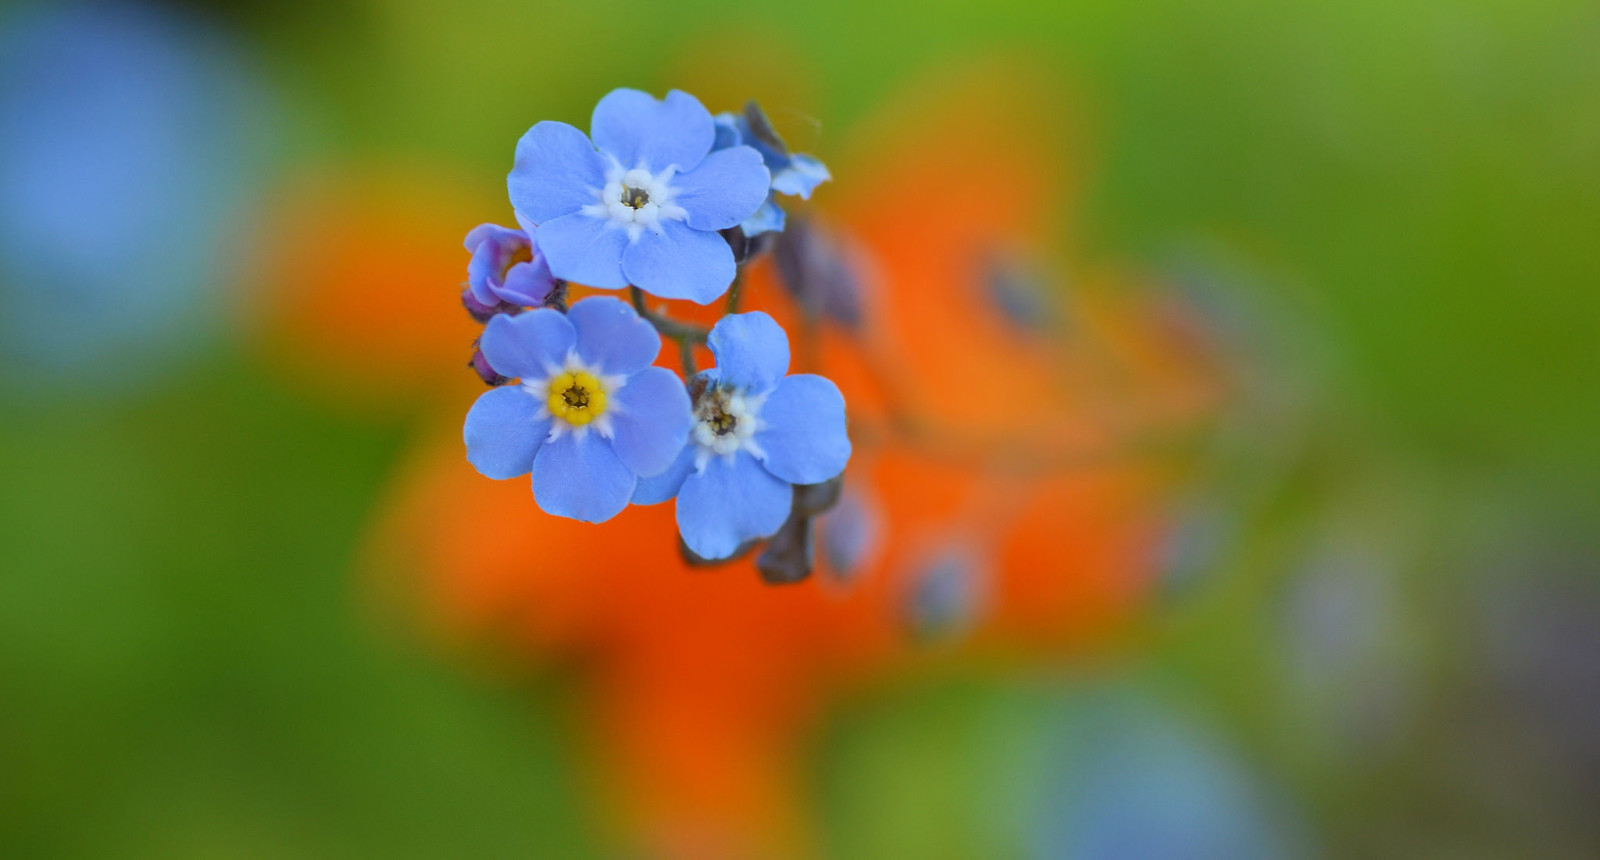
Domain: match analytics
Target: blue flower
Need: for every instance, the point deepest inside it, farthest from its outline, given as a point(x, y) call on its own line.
point(646, 207)
point(850, 534)
point(132, 143)
point(590, 415)
point(506, 268)
point(792, 172)
point(756, 433)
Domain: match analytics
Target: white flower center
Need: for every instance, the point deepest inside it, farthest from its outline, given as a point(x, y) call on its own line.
point(726, 421)
point(636, 200)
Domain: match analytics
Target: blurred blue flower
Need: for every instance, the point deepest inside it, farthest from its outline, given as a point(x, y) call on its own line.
point(946, 592)
point(850, 534)
point(646, 207)
point(130, 142)
point(590, 416)
point(506, 268)
point(757, 432)
point(793, 173)
point(1135, 782)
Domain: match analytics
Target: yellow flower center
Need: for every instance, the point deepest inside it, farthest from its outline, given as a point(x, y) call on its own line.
point(577, 397)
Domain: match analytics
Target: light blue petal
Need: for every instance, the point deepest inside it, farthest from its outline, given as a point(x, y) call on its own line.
point(680, 262)
point(800, 176)
point(767, 219)
point(651, 420)
point(637, 129)
point(729, 502)
point(751, 349)
point(527, 345)
point(803, 433)
point(658, 488)
point(584, 249)
point(557, 172)
point(504, 432)
point(582, 480)
point(725, 189)
point(612, 335)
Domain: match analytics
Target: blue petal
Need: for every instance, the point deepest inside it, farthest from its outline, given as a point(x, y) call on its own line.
point(651, 419)
point(529, 345)
point(480, 234)
point(527, 284)
point(613, 336)
point(727, 132)
point(582, 479)
point(730, 501)
point(751, 349)
point(584, 249)
point(557, 172)
point(504, 432)
point(658, 488)
point(480, 269)
point(637, 129)
point(767, 219)
point(725, 189)
point(803, 433)
point(680, 262)
point(799, 176)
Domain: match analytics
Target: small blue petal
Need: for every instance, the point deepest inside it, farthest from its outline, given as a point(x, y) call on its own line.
point(555, 172)
point(527, 284)
point(581, 479)
point(637, 129)
point(504, 432)
point(804, 435)
point(725, 189)
point(658, 488)
point(680, 262)
point(768, 218)
point(528, 345)
point(584, 249)
point(729, 502)
point(800, 176)
point(613, 336)
point(752, 351)
point(651, 419)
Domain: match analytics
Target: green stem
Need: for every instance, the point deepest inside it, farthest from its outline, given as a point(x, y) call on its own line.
point(685, 334)
point(734, 292)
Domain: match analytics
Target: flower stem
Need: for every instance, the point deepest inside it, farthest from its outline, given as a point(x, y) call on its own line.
point(734, 292)
point(685, 334)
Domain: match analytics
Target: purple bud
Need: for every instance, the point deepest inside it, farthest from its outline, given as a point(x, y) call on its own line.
point(480, 364)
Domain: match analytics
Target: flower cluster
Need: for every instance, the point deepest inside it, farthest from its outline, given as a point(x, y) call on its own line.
point(655, 199)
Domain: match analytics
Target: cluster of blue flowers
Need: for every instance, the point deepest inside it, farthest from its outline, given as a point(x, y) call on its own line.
point(660, 198)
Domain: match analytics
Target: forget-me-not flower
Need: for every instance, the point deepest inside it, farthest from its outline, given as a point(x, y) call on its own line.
point(589, 416)
point(756, 433)
point(643, 202)
point(792, 172)
point(506, 268)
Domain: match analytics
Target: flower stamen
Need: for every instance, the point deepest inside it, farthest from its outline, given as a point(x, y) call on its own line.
point(578, 397)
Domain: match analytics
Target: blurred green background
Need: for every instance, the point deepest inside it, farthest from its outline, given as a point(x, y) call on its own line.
point(1399, 647)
